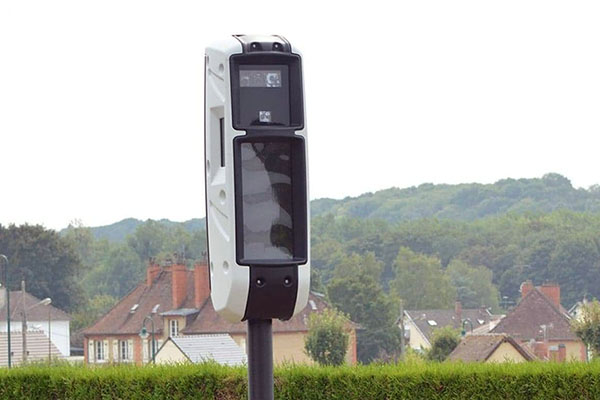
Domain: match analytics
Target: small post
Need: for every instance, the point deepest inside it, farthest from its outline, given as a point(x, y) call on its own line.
point(49, 336)
point(402, 344)
point(144, 335)
point(260, 359)
point(5, 283)
point(464, 331)
point(24, 324)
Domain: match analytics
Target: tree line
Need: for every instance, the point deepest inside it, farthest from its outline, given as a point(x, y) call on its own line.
point(365, 267)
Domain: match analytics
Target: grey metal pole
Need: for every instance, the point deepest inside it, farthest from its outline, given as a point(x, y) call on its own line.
point(153, 343)
point(5, 282)
point(144, 332)
point(260, 359)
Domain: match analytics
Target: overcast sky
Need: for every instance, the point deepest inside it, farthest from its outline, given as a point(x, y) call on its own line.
point(101, 103)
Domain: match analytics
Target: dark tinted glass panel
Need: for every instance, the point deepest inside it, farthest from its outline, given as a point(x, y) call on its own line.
point(264, 96)
point(267, 201)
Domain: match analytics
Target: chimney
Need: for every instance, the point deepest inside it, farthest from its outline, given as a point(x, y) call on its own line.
point(152, 272)
point(201, 284)
point(540, 349)
point(562, 352)
point(458, 311)
point(552, 291)
point(178, 284)
point(526, 287)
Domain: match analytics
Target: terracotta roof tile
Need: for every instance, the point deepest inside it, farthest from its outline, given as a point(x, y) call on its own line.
point(525, 321)
point(119, 320)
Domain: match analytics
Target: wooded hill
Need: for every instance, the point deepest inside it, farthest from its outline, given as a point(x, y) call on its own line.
point(427, 246)
point(468, 201)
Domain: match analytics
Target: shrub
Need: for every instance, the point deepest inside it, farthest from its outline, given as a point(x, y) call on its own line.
point(443, 341)
point(327, 339)
point(588, 326)
point(399, 381)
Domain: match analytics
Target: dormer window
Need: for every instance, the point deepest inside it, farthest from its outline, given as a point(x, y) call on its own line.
point(173, 327)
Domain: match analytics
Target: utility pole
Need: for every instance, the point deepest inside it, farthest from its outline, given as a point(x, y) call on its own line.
point(5, 283)
point(49, 335)
point(24, 324)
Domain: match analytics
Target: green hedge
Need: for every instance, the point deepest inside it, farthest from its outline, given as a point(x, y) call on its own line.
point(428, 381)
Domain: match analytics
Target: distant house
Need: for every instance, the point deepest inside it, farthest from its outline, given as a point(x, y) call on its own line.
point(490, 348)
point(576, 311)
point(540, 322)
point(38, 348)
point(419, 325)
point(178, 301)
point(170, 296)
point(201, 348)
point(288, 336)
point(39, 319)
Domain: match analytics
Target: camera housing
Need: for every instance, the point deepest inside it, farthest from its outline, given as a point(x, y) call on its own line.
point(257, 207)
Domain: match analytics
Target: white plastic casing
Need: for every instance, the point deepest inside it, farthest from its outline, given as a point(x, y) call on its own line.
point(230, 281)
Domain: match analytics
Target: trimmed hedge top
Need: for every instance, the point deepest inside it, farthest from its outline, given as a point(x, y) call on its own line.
point(402, 381)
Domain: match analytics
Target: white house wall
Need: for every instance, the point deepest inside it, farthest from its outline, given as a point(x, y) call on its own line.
point(60, 332)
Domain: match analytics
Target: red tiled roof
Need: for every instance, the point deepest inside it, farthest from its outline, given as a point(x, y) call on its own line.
point(481, 347)
point(35, 311)
point(120, 319)
point(208, 321)
point(534, 310)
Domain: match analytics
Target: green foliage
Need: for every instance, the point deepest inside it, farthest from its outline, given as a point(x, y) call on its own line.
point(587, 326)
point(474, 285)
point(94, 309)
point(114, 269)
point(47, 262)
point(443, 341)
point(420, 281)
point(561, 246)
point(407, 381)
point(464, 201)
point(117, 274)
point(355, 289)
point(119, 231)
point(327, 338)
point(148, 240)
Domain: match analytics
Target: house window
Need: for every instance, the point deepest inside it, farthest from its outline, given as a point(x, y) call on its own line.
point(99, 350)
point(124, 349)
point(174, 327)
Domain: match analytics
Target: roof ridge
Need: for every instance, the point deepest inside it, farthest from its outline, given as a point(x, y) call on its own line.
point(119, 301)
point(549, 301)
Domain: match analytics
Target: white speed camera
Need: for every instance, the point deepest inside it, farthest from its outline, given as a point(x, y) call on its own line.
point(256, 178)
